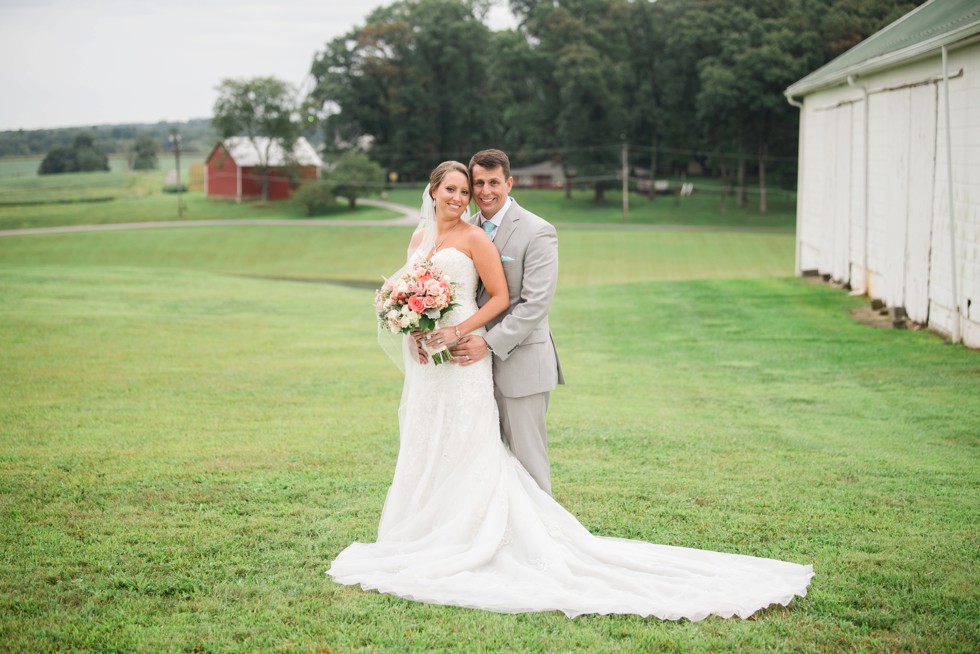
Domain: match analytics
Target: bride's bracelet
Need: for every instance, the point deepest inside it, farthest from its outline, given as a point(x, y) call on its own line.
point(458, 335)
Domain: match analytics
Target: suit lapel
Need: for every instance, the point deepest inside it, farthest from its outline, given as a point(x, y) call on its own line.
point(507, 226)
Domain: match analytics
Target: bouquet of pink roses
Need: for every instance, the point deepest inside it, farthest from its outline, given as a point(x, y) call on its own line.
point(416, 300)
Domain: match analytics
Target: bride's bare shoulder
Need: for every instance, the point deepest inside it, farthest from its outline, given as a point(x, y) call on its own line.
point(474, 237)
point(471, 228)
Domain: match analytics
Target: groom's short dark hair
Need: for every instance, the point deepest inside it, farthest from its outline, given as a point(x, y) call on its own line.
point(490, 159)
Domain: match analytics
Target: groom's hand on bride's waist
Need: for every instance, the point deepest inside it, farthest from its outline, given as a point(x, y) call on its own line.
point(469, 349)
point(417, 352)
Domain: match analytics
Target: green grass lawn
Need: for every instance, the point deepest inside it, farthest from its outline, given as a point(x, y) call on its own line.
point(186, 442)
point(589, 256)
point(122, 196)
point(133, 196)
point(702, 209)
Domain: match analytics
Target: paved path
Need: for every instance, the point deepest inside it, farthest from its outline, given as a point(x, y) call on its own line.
point(409, 216)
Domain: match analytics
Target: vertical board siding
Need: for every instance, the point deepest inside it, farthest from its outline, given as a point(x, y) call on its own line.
point(858, 191)
point(921, 186)
point(907, 221)
point(841, 198)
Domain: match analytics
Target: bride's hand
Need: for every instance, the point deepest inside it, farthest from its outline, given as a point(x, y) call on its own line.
point(438, 338)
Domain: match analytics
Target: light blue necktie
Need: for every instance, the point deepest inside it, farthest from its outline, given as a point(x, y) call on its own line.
point(489, 228)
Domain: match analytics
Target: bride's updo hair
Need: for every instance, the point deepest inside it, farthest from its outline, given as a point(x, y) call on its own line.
point(443, 169)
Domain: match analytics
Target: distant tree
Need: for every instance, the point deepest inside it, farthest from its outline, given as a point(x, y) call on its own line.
point(845, 23)
point(198, 136)
point(258, 107)
point(82, 156)
point(583, 102)
point(316, 196)
point(739, 102)
point(644, 89)
point(59, 159)
point(355, 176)
point(143, 153)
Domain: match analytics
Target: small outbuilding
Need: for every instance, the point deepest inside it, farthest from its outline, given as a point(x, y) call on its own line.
point(889, 168)
point(546, 174)
point(234, 170)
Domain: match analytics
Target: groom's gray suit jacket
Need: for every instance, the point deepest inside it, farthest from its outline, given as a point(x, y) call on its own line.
point(526, 361)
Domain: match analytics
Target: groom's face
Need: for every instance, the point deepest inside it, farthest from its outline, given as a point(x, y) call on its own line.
point(490, 189)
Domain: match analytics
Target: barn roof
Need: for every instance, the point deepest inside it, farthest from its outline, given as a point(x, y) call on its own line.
point(246, 153)
point(919, 33)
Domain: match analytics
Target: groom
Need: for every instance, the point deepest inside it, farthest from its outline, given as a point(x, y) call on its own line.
point(525, 364)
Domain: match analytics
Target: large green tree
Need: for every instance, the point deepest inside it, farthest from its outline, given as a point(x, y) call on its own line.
point(256, 108)
point(585, 98)
point(354, 176)
point(644, 103)
point(414, 82)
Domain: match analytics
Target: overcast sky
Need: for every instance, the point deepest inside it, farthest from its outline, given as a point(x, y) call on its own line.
point(70, 63)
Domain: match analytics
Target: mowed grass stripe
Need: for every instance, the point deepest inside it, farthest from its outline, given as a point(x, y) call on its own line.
point(136, 196)
point(184, 448)
point(587, 257)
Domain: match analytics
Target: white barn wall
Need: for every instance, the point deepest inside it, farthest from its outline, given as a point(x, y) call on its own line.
point(856, 271)
point(922, 168)
point(841, 196)
point(908, 254)
point(964, 104)
point(809, 232)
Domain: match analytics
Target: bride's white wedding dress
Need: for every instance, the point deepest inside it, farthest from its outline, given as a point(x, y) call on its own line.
point(465, 525)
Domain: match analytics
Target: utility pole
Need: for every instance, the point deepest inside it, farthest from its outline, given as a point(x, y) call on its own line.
point(175, 139)
point(626, 181)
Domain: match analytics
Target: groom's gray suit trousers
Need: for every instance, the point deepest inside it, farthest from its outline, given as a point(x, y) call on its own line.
point(523, 430)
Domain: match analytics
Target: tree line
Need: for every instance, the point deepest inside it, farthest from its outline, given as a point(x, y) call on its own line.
point(196, 135)
point(422, 81)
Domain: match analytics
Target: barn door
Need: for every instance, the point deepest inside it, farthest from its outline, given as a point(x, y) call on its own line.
point(823, 218)
point(922, 173)
point(896, 176)
point(841, 196)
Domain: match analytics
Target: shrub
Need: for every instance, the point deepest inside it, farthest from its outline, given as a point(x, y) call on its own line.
point(82, 156)
point(173, 188)
point(317, 197)
point(143, 153)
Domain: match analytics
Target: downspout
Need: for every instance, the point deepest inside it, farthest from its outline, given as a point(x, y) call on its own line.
point(799, 185)
point(952, 222)
point(867, 194)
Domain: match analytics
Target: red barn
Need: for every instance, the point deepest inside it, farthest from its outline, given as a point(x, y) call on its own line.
point(233, 169)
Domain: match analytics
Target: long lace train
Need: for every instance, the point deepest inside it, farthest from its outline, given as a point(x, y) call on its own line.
point(465, 525)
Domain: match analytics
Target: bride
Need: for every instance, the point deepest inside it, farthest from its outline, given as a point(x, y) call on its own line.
point(465, 525)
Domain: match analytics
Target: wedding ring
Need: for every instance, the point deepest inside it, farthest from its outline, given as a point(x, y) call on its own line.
point(467, 357)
